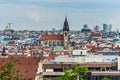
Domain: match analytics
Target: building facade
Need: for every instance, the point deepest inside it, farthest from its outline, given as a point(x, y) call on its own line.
point(98, 65)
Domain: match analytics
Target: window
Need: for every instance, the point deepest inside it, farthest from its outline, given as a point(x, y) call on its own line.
point(65, 33)
point(81, 53)
point(57, 70)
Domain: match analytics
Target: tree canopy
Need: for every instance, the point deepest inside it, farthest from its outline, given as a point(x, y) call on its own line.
point(106, 78)
point(75, 73)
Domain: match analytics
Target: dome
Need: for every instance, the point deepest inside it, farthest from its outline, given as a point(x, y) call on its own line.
point(104, 35)
point(58, 48)
point(116, 38)
point(106, 47)
point(1, 38)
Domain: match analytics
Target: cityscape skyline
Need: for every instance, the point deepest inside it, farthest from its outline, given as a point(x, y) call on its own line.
point(48, 14)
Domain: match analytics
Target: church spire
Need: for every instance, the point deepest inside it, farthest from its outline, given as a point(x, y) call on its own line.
point(66, 33)
point(66, 25)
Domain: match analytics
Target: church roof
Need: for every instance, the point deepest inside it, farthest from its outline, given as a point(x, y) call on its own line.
point(96, 35)
point(52, 37)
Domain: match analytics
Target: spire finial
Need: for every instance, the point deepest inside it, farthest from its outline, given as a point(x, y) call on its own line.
point(65, 17)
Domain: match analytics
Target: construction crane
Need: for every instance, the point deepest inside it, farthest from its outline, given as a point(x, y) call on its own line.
point(9, 24)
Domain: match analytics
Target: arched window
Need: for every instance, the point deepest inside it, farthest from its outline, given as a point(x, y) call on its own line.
point(58, 43)
point(65, 34)
point(45, 42)
point(50, 43)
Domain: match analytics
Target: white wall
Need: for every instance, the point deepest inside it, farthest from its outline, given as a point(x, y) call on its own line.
point(79, 59)
point(79, 52)
point(109, 58)
point(49, 70)
point(94, 59)
point(118, 62)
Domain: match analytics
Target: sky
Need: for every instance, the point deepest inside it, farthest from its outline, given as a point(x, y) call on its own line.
point(48, 14)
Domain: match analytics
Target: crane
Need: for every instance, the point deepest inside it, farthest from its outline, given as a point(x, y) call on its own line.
point(9, 24)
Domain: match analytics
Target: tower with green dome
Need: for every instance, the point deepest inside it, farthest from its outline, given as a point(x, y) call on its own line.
point(116, 40)
point(104, 35)
point(106, 47)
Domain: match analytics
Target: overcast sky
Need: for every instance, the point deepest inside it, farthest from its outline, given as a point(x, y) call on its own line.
point(48, 14)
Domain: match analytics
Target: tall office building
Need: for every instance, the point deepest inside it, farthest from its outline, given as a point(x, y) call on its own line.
point(105, 27)
point(96, 28)
point(85, 29)
point(110, 27)
point(85, 26)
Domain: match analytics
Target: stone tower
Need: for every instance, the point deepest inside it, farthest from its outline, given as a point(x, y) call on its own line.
point(66, 32)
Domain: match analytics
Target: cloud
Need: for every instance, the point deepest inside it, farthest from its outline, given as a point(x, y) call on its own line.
point(51, 12)
point(33, 16)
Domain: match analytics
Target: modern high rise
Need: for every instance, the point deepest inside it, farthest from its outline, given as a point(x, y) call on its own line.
point(85, 29)
point(85, 26)
point(96, 28)
point(105, 27)
point(110, 27)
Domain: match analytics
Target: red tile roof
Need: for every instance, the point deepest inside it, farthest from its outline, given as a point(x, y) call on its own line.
point(52, 37)
point(26, 66)
point(96, 35)
point(12, 42)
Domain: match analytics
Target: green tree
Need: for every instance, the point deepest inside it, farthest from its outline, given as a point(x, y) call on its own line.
point(79, 72)
point(47, 79)
point(75, 73)
point(67, 75)
point(105, 78)
point(9, 72)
